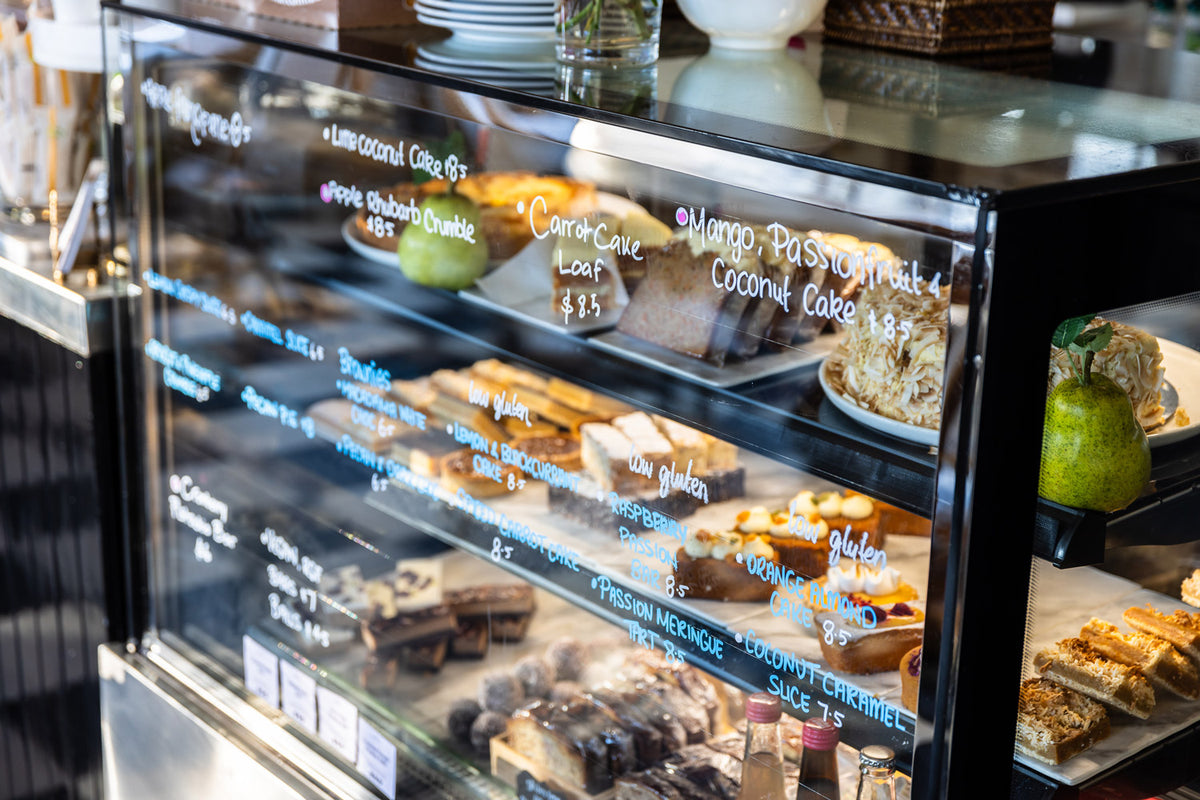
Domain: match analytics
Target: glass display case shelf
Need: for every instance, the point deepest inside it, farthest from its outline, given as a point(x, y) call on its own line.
point(785, 416)
point(604, 578)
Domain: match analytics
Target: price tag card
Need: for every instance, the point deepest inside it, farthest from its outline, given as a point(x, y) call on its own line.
point(299, 695)
point(337, 723)
point(262, 671)
point(377, 758)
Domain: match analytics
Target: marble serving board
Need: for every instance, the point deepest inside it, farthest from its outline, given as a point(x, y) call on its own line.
point(1062, 601)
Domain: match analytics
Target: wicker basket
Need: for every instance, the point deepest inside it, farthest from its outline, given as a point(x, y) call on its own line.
point(942, 27)
point(977, 83)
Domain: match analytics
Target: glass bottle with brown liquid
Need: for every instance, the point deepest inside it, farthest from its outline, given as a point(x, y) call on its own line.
point(762, 767)
point(818, 762)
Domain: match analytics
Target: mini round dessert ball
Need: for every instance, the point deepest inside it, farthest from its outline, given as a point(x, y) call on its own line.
point(563, 691)
point(463, 714)
point(487, 725)
point(535, 676)
point(568, 657)
point(500, 691)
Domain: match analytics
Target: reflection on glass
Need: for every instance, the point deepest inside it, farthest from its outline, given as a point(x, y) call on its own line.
point(769, 86)
point(626, 90)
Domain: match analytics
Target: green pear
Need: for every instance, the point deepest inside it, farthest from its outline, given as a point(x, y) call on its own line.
point(1095, 455)
point(443, 247)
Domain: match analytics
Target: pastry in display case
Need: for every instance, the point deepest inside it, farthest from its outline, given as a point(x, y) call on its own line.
point(480, 443)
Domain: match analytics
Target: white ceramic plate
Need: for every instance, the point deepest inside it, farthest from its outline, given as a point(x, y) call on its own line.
point(539, 312)
point(487, 8)
point(377, 254)
point(489, 31)
point(495, 77)
point(501, 5)
point(510, 54)
point(1181, 389)
point(900, 430)
point(732, 373)
point(486, 18)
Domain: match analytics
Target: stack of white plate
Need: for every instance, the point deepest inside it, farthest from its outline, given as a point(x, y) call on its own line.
point(490, 19)
point(513, 64)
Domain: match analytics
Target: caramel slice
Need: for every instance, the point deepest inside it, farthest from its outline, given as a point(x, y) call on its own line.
point(585, 400)
point(1077, 665)
point(1055, 723)
point(1161, 663)
point(451, 409)
point(1179, 628)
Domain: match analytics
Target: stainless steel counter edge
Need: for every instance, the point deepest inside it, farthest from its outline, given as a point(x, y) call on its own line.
point(79, 322)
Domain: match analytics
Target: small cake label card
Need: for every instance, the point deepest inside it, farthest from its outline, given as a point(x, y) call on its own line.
point(262, 671)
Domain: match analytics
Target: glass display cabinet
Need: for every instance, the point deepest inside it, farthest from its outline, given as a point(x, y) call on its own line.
point(496, 434)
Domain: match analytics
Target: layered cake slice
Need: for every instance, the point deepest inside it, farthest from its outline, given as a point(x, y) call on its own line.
point(1156, 658)
point(677, 306)
point(503, 610)
point(648, 442)
point(1055, 723)
point(604, 452)
point(579, 268)
point(1077, 665)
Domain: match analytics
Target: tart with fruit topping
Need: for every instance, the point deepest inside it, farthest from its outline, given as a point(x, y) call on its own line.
point(712, 566)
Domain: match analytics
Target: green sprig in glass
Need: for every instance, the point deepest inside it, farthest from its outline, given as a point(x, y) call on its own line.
point(591, 11)
point(609, 31)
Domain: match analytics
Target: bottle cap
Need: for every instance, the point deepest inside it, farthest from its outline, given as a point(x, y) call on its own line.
point(819, 734)
point(763, 707)
point(876, 756)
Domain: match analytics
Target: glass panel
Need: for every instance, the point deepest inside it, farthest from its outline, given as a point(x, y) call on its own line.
point(1089, 109)
point(584, 432)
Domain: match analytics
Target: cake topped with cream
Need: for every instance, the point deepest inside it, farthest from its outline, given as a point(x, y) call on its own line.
point(720, 544)
point(864, 584)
